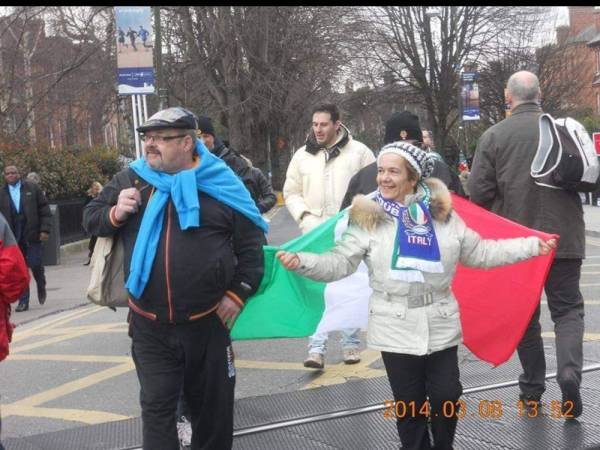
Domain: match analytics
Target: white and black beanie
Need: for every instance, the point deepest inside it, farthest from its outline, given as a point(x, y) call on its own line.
point(419, 159)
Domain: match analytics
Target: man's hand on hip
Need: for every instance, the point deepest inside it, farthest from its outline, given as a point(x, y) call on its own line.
point(128, 203)
point(44, 236)
point(228, 311)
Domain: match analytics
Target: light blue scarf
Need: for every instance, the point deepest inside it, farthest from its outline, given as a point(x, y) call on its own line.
point(213, 177)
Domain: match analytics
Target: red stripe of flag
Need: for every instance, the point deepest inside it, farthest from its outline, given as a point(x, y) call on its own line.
point(497, 304)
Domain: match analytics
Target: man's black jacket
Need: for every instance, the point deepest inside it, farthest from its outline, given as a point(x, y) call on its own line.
point(35, 208)
point(261, 190)
point(192, 269)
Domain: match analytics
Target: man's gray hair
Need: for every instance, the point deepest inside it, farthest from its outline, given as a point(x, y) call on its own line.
point(524, 86)
point(33, 177)
point(192, 134)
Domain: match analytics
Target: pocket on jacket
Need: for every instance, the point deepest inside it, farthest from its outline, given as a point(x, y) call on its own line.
point(447, 310)
point(445, 328)
point(392, 327)
point(387, 309)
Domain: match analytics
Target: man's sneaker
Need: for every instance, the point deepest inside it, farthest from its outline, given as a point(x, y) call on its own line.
point(184, 431)
point(351, 356)
point(314, 361)
point(572, 406)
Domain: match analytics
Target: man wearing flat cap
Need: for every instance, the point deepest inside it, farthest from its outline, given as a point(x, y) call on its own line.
point(193, 254)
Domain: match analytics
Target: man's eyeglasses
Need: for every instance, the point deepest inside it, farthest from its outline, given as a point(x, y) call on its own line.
point(160, 139)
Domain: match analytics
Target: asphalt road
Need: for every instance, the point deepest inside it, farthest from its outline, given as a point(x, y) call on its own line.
point(70, 361)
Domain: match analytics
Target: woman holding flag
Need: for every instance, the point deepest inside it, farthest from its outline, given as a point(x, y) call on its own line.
point(411, 241)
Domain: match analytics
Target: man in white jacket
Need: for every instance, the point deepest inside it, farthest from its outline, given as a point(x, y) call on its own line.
point(315, 184)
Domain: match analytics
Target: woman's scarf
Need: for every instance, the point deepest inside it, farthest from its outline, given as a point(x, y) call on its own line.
point(211, 176)
point(416, 248)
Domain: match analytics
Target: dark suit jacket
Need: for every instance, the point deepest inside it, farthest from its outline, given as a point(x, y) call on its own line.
point(34, 207)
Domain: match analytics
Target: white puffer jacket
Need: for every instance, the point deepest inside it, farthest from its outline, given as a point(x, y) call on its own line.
point(393, 327)
point(317, 186)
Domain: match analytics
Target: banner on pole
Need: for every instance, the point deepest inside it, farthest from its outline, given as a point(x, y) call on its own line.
point(470, 96)
point(135, 44)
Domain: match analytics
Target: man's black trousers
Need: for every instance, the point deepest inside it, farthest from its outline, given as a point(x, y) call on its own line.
point(566, 309)
point(417, 379)
point(197, 355)
point(33, 257)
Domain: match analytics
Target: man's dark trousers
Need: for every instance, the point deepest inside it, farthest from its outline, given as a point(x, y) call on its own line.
point(566, 309)
point(32, 252)
point(197, 354)
point(33, 257)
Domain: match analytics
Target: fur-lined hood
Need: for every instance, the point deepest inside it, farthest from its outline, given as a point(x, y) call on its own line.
point(367, 214)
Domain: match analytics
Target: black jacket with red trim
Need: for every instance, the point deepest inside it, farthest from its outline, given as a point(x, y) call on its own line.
point(192, 269)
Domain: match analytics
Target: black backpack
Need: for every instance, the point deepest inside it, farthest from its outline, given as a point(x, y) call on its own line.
point(565, 157)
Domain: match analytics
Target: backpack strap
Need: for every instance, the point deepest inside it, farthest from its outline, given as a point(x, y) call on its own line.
point(548, 153)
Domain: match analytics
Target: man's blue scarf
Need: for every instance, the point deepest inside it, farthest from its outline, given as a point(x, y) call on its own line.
point(213, 177)
point(416, 248)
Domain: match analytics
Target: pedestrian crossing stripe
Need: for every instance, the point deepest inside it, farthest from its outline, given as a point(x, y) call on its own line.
point(586, 302)
point(586, 336)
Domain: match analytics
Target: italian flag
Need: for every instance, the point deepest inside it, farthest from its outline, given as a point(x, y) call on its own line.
point(495, 304)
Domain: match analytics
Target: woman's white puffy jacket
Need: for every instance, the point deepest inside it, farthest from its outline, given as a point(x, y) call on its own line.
point(393, 327)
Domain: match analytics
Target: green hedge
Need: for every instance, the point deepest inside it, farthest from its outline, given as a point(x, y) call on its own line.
point(65, 172)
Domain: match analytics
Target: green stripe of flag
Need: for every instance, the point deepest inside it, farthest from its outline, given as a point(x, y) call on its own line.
point(287, 304)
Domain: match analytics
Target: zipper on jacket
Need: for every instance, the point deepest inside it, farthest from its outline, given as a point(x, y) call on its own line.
point(167, 271)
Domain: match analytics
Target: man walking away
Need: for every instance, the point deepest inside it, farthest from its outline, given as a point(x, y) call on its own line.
point(500, 181)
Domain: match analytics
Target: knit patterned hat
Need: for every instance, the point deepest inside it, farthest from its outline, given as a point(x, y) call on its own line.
point(419, 159)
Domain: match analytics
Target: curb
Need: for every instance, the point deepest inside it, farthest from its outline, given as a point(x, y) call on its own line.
point(74, 247)
point(592, 233)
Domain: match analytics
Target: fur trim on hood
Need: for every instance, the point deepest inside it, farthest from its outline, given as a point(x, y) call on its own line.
point(367, 214)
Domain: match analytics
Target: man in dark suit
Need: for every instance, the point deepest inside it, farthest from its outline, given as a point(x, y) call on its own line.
point(27, 211)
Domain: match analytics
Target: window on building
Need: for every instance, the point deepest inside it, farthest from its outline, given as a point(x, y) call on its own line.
point(598, 103)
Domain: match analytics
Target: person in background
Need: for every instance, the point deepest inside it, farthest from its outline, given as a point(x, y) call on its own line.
point(501, 181)
point(428, 144)
point(265, 198)
point(316, 180)
point(33, 177)
point(26, 209)
point(260, 188)
point(14, 280)
point(402, 126)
